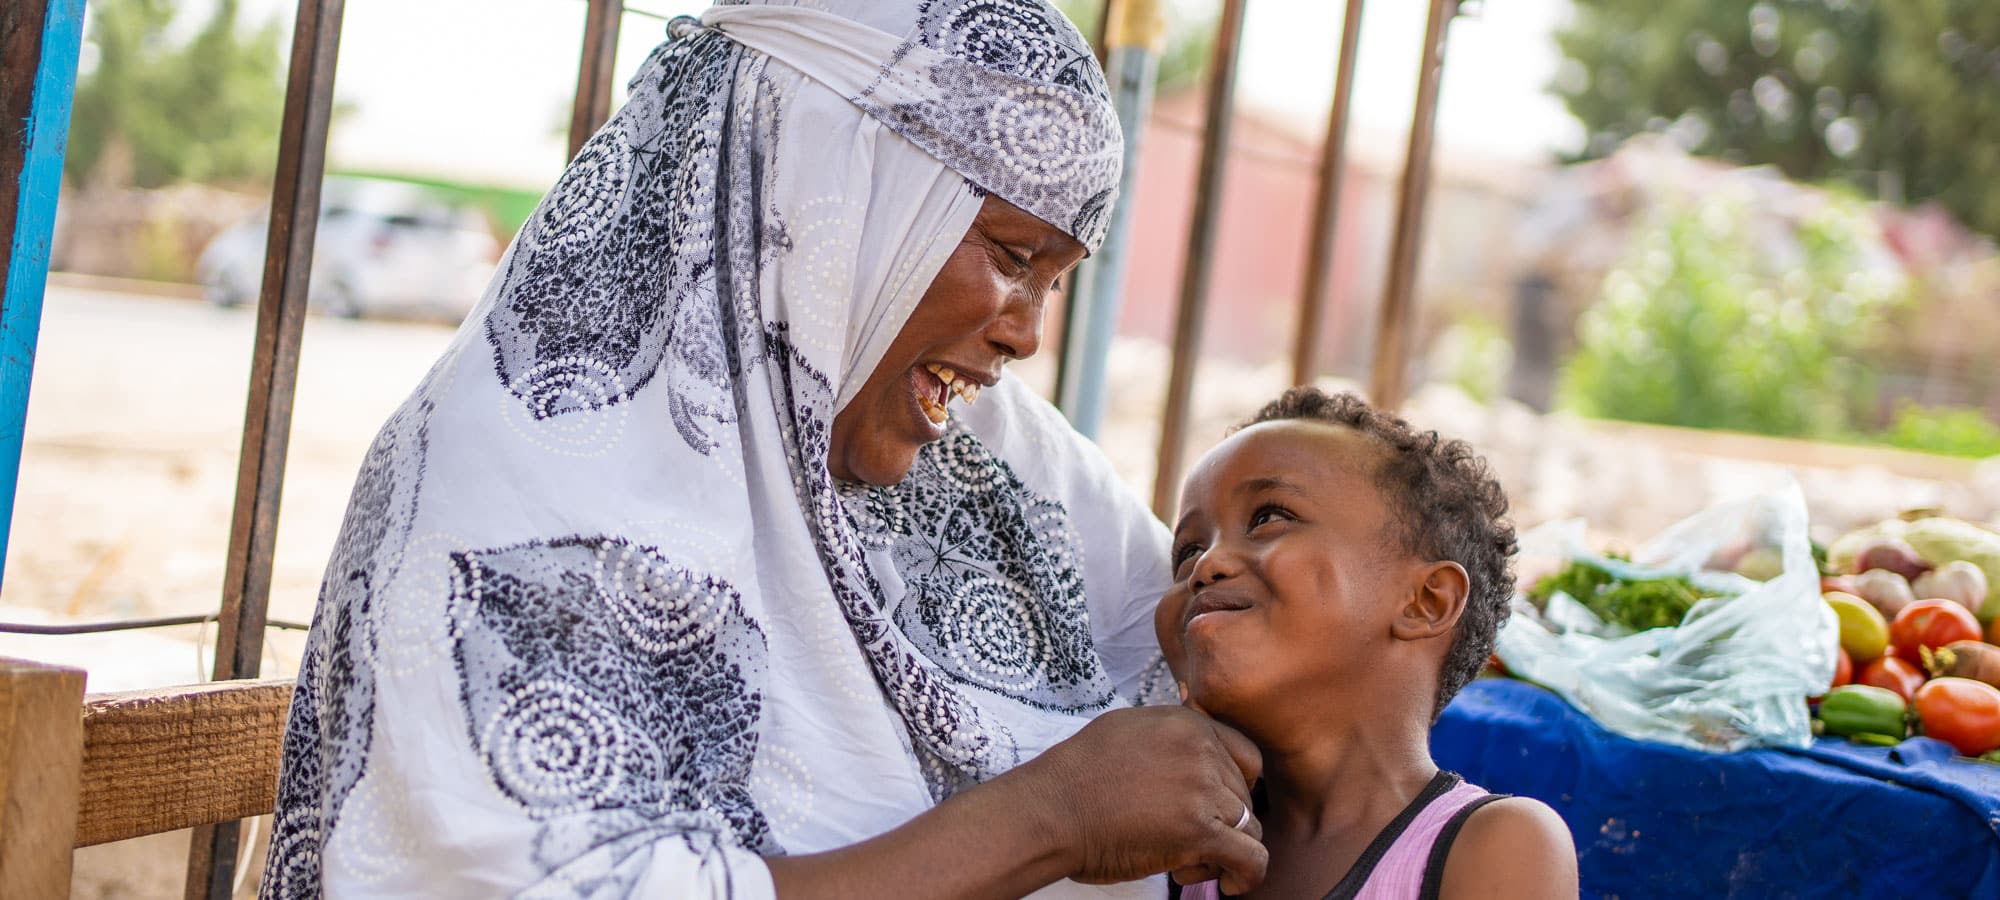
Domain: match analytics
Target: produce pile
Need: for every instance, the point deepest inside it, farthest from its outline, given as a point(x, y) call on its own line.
point(1919, 621)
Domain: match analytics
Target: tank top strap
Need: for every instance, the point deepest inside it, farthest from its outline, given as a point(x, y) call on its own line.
point(1418, 852)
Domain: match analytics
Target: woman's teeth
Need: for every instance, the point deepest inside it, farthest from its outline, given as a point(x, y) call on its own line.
point(966, 390)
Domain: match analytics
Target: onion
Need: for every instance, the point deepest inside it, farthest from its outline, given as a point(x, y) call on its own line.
point(1960, 582)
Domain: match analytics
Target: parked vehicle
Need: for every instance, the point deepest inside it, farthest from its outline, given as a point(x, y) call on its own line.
point(383, 249)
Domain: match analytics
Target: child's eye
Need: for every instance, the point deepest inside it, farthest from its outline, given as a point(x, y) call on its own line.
point(1184, 553)
point(1269, 513)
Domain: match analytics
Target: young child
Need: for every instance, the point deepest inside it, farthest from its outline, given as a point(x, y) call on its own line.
point(1338, 578)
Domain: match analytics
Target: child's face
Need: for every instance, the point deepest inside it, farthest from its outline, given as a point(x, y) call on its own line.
point(1287, 574)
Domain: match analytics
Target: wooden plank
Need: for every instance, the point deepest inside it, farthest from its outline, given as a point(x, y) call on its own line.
point(1326, 209)
point(163, 760)
point(1202, 233)
point(1398, 313)
point(41, 741)
point(274, 372)
point(39, 42)
point(596, 73)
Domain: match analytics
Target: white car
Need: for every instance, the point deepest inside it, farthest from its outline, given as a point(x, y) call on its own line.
point(383, 248)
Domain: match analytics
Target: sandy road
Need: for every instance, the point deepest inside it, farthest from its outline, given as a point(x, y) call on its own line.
point(129, 467)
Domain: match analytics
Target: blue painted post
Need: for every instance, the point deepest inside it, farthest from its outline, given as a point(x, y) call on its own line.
point(37, 81)
point(1135, 32)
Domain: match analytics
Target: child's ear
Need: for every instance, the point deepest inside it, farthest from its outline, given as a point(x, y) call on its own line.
point(1434, 607)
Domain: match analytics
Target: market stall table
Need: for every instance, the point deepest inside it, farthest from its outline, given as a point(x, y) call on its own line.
point(1652, 820)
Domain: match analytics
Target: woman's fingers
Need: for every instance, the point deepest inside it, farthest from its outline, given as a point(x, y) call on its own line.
point(1242, 751)
point(1241, 859)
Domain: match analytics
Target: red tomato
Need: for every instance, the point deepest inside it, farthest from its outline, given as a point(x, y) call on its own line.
point(1892, 673)
point(1961, 712)
point(1843, 667)
point(1933, 624)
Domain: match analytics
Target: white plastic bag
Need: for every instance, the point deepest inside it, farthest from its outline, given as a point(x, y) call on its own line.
point(1737, 670)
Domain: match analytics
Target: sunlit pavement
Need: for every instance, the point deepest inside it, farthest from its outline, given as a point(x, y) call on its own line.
point(128, 473)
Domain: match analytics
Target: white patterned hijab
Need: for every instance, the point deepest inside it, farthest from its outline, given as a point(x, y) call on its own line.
point(599, 622)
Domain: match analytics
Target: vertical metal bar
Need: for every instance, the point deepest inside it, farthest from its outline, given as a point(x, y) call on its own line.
point(1106, 14)
point(595, 74)
point(39, 42)
point(1075, 287)
point(1392, 334)
point(274, 369)
point(1326, 214)
point(1137, 35)
point(1200, 253)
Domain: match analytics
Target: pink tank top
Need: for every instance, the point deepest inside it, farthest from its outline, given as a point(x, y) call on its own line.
point(1406, 860)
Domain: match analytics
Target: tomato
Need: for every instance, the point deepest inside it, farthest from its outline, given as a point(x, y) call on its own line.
point(1893, 673)
point(1961, 712)
point(1933, 624)
point(1843, 667)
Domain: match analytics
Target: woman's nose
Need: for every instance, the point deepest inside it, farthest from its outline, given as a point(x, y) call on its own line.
point(1017, 333)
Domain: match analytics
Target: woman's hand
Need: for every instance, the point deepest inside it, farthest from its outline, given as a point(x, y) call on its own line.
point(1136, 792)
point(1140, 791)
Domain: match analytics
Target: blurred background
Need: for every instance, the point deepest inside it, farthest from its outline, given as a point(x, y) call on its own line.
point(1675, 249)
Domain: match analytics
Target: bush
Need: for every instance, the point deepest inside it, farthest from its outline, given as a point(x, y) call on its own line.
point(1716, 321)
point(1950, 431)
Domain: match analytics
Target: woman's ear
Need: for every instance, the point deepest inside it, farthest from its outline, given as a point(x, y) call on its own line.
point(1434, 607)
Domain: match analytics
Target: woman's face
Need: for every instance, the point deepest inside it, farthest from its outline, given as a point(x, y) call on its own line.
point(984, 308)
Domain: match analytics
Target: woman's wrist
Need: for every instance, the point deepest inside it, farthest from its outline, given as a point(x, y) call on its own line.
point(1003, 839)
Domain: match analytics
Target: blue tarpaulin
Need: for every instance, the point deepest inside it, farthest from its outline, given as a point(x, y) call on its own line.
point(1651, 820)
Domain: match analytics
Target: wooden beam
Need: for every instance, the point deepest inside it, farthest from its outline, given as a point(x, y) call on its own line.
point(1202, 232)
point(1326, 210)
point(41, 742)
point(596, 74)
point(163, 760)
point(39, 43)
point(1398, 313)
point(274, 375)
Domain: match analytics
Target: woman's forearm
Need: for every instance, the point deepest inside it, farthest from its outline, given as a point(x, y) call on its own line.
point(990, 841)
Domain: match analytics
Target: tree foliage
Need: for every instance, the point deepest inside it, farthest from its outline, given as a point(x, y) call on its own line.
point(154, 111)
point(1706, 324)
point(1898, 98)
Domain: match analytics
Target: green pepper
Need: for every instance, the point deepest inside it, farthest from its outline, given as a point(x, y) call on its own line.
point(1875, 740)
point(1863, 709)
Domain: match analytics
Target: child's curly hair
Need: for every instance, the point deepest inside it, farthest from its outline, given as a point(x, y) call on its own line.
point(1447, 506)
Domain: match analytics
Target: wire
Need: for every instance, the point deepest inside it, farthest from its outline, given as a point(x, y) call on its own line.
point(130, 624)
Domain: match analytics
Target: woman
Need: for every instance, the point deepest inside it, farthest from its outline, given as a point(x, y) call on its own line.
point(683, 574)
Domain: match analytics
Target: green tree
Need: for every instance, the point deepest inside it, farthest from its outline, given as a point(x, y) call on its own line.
point(1898, 98)
point(1705, 325)
point(152, 112)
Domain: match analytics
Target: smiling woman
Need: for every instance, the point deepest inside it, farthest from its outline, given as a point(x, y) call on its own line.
point(718, 558)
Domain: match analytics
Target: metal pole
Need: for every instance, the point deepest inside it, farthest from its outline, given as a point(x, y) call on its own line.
point(274, 369)
point(1326, 214)
point(1200, 253)
point(1136, 32)
point(595, 75)
point(1074, 288)
point(40, 40)
point(1392, 335)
